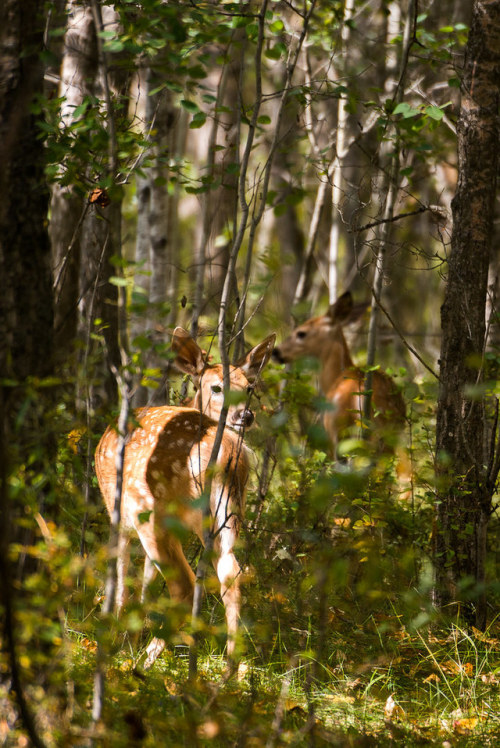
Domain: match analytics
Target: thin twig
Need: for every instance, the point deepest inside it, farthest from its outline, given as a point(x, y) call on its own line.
point(402, 337)
point(392, 219)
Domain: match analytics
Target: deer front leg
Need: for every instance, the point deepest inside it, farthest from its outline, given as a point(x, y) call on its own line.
point(149, 574)
point(229, 575)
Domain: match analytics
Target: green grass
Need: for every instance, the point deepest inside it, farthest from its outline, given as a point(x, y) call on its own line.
point(381, 685)
point(406, 689)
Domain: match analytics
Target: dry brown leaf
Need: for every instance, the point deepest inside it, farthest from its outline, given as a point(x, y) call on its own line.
point(450, 666)
point(88, 645)
point(483, 637)
point(355, 685)
point(342, 521)
point(393, 711)
point(465, 726)
point(171, 686)
point(338, 699)
point(243, 670)
point(432, 678)
point(490, 679)
point(456, 668)
point(401, 635)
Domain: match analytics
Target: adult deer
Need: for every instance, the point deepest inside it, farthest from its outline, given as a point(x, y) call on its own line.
point(342, 383)
point(165, 471)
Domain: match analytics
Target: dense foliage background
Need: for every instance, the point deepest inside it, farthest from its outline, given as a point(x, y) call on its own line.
point(233, 168)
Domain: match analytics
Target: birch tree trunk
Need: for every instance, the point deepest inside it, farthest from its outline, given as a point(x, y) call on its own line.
point(467, 471)
point(392, 187)
point(222, 202)
point(156, 241)
point(78, 72)
point(101, 230)
point(336, 171)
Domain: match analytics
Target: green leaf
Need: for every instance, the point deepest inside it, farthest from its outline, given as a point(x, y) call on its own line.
point(156, 90)
point(264, 120)
point(274, 53)
point(276, 26)
point(116, 45)
point(80, 110)
point(198, 120)
point(191, 106)
point(434, 112)
point(115, 280)
point(406, 110)
point(233, 168)
point(197, 72)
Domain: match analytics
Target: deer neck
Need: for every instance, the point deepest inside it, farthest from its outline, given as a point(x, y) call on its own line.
point(334, 360)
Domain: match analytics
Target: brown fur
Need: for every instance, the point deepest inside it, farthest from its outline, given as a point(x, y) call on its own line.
point(342, 382)
point(165, 466)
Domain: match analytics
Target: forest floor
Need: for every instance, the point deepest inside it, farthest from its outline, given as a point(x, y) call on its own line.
point(400, 689)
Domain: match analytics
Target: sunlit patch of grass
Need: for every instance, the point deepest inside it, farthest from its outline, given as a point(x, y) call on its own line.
point(416, 688)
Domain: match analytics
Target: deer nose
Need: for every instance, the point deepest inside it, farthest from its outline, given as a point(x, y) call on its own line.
point(278, 356)
point(244, 418)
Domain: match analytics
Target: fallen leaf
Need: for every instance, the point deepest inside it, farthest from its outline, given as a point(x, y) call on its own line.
point(393, 711)
point(171, 686)
point(483, 636)
point(432, 678)
point(342, 521)
point(465, 726)
point(338, 699)
point(88, 644)
point(243, 670)
point(490, 679)
point(450, 666)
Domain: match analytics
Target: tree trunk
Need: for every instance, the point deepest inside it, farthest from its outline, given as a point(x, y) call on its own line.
point(78, 72)
point(26, 310)
point(466, 472)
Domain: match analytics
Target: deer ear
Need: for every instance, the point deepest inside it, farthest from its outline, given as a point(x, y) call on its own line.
point(341, 309)
point(189, 356)
point(253, 363)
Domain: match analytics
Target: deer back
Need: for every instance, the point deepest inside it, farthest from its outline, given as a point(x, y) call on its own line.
point(165, 465)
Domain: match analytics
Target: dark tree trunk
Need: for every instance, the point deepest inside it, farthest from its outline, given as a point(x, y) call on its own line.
point(466, 470)
point(26, 298)
point(26, 307)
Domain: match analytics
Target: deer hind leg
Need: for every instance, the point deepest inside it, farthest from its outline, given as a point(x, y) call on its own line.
point(166, 552)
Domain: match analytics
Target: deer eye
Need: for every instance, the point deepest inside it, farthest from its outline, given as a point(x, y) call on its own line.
point(216, 389)
point(301, 334)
